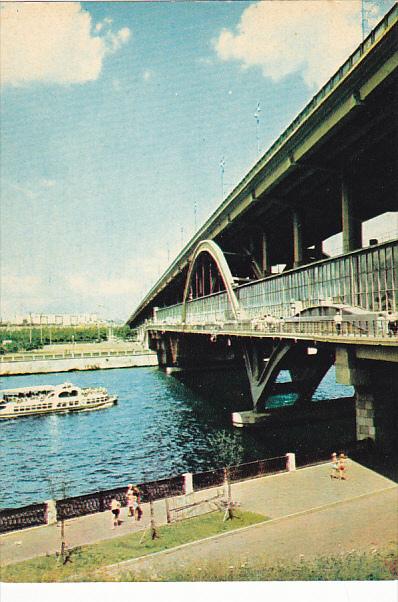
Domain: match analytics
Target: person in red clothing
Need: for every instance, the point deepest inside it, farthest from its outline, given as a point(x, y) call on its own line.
point(342, 467)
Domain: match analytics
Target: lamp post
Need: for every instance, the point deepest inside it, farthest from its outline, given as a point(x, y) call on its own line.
point(222, 169)
point(257, 118)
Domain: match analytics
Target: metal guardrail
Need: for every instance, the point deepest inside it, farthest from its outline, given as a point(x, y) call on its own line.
point(13, 519)
point(100, 501)
point(70, 355)
point(240, 472)
point(349, 330)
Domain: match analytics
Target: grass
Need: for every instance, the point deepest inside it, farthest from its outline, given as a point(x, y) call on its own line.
point(372, 565)
point(85, 561)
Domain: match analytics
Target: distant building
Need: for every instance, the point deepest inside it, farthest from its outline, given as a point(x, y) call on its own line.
point(54, 319)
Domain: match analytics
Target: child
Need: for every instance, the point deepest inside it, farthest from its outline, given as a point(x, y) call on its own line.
point(335, 472)
point(342, 467)
point(115, 509)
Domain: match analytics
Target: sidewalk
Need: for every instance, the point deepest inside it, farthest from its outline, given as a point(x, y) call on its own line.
point(308, 490)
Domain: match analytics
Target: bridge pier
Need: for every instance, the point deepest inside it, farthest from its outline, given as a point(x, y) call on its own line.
point(376, 396)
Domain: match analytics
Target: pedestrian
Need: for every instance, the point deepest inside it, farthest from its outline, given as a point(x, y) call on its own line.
point(115, 509)
point(392, 327)
point(338, 321)
point(137, 504)
point(130, 500)
point(342, 467)
point(334, 474)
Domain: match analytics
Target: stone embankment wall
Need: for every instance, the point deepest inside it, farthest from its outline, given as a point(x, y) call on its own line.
point(99, 361)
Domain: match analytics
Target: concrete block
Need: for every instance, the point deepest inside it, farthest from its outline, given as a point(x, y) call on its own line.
point(290, 461)
point(188, 483)
point(51, 512)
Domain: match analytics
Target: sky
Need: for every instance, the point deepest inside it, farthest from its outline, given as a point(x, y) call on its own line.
point(114, 120)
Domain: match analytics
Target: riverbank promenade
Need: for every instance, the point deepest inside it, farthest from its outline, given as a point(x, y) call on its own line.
point(309, 514)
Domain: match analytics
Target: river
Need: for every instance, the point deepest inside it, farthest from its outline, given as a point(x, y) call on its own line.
point(160, 427)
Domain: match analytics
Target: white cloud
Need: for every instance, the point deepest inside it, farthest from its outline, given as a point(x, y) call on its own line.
point(16, 290)
point(99, 287)
point(54, 43)
point(45, 183)
point(313, 37)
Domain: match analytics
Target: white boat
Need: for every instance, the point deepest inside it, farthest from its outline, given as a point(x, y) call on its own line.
point(52, 399)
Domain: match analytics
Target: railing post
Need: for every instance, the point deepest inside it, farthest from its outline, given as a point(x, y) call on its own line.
point(51, 512)
point(290, 462)
point(188, 482)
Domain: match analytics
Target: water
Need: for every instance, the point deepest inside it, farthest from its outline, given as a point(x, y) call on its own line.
point(160, 427)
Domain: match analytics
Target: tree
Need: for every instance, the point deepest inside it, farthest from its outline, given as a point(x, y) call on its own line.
point(229, 449)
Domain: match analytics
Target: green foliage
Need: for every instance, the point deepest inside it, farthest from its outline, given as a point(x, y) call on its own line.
point(122, 332)
point(87, 559)
point(357, 566)
point(30, 338)
point(227, 448)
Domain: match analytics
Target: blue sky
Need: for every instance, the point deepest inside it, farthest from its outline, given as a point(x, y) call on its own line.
point(114, 121)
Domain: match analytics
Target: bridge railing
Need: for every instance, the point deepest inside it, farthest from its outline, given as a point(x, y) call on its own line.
point(378, 327)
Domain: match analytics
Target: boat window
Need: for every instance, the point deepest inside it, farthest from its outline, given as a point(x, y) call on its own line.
point(73, 393)
point(64, 394)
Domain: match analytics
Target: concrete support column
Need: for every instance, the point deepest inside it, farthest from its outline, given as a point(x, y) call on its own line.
point(351, 225)
point(365, 414)
point(265, 262)
point(298, 240)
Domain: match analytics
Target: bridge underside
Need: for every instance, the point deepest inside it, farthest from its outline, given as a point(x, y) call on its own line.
point(303, 364)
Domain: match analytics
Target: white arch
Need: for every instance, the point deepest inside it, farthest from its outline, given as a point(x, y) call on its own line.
point(212, 248)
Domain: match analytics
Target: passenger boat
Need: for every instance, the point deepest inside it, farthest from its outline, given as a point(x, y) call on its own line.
point(53, 399)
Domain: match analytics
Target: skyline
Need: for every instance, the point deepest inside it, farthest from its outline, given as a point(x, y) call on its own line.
point(132, 112)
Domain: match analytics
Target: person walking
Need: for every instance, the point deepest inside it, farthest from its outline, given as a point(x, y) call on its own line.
point(115, 510)
point(137, 504)
point(130, 500)
point(338, 321)
point(334, 474)
point(342, 467)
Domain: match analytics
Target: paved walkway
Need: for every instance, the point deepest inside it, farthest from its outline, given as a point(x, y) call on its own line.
point(306, 502)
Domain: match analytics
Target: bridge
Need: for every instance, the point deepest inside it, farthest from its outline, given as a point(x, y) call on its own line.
point(255, 284)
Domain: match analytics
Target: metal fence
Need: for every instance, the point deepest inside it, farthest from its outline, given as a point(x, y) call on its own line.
point(240, 472)
point(100, 501)
point(207, 479)
point(67, 355)
point(13, 519)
